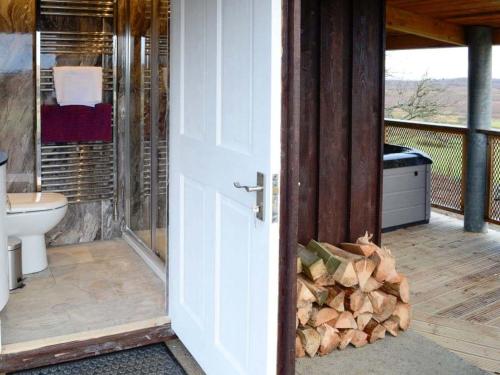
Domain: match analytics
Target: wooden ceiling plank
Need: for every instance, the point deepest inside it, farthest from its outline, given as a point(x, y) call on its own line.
point(486, 19)
point(424, 26)
point(423, 5)
point(447, 9)
point(418, 5)
point(405, 41)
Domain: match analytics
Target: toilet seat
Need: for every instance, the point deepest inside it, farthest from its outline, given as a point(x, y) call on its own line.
point(34, 202)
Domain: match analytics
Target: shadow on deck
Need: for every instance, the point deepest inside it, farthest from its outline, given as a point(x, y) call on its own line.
point(455, 284)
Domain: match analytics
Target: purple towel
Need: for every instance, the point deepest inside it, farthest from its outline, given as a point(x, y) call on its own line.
point(76, 123)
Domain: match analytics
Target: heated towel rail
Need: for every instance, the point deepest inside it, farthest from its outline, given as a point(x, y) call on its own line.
point(83, 172)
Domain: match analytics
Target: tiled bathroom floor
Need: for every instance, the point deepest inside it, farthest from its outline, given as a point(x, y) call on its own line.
point(86, 287)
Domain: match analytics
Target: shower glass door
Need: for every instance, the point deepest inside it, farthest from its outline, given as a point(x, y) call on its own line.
point(148, 123)
point(159, 239)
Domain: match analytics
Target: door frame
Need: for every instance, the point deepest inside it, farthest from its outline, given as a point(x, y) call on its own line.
point(289, 187)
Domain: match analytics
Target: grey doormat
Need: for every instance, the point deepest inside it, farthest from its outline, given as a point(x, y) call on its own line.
point(148, 360)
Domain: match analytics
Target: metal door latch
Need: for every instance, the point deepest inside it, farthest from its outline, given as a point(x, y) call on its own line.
point(248, 189)
point(259, 189)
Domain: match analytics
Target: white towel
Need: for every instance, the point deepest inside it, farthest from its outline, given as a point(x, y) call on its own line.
point(78, 85)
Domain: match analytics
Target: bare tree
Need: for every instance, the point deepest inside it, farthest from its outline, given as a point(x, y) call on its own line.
point(422, 102)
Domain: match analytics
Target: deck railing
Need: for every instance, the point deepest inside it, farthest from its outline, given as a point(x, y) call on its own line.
point(493, 193)
point(447, 146)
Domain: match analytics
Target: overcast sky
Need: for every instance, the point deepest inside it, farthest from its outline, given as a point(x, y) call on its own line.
point(436, 62)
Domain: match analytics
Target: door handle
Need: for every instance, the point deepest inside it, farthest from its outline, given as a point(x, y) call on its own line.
point(259, 199)
point(248, 189)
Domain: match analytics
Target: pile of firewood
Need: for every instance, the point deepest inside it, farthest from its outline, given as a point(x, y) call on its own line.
point(348, 295)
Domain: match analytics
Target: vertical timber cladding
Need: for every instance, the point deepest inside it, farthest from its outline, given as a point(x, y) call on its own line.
point(335, 121)
point(309, 120)
point(341, 177)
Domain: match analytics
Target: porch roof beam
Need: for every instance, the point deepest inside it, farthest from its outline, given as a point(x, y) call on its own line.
point(423, 26)
point(496, 36)
point(406, 41)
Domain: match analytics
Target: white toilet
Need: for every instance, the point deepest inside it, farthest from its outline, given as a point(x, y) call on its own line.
point(29, 217)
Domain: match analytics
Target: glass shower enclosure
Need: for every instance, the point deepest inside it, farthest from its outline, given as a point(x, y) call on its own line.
point(146, 136)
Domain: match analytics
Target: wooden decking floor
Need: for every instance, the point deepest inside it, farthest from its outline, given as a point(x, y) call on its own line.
point(455, 284)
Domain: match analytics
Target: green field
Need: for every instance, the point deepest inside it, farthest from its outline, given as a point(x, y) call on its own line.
point(444, 149)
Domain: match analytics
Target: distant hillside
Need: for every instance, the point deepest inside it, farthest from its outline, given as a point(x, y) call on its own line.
point(452, 96)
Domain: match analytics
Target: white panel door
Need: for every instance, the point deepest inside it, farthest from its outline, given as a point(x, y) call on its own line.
point(225, 127)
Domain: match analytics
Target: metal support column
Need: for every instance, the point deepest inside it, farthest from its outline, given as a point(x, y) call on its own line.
point(479, 40)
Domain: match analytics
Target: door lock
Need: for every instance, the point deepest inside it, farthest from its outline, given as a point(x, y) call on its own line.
point(259, 189)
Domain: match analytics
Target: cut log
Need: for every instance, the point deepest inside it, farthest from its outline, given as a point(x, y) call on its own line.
point(345, 338)
point(388, 308)
point(399, 288)
point(330, 339)
point(310, 339)
point(366, 307)
point(299, 348)
point(304, 295)
point(299, 265)
point(345, 273)
point(375, 331)
point(340, 253)
point(354, 300)
point(386, 264)
point(363, 319)
point(320, 293)
point(363, 246)
point(403, 313)
point(326, 280)
point(379, 300)
point(383, 305)
point(358, 249)
point(344, 321)
point(359, 338)
point(304, 314)
point(391, 325)
point(370, 285)
point(331, 262)
point(341, 267)
point(323, 315)
point(312, 265)
point(336, 298)
point(364, 269)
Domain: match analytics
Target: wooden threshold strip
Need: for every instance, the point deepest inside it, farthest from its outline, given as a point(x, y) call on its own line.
point(16, 357)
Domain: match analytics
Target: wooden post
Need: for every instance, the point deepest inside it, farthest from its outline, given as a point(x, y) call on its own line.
point(289, 186)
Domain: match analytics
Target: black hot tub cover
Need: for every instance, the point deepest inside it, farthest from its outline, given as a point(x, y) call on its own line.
point(399, 156)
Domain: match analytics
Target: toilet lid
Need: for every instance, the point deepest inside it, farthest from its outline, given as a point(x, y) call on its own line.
point(30, 202)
